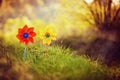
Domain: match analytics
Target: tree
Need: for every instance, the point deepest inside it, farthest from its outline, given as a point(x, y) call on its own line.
point(106, 14)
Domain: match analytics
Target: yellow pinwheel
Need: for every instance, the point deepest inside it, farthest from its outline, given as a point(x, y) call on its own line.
point(47, 35)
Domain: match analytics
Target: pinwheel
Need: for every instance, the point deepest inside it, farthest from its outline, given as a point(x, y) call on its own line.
point(47, 35)
point(25, 35)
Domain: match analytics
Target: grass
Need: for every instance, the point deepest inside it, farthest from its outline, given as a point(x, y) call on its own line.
point(58, 64)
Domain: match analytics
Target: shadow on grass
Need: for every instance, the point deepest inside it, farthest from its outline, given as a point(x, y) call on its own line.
point(101, 49)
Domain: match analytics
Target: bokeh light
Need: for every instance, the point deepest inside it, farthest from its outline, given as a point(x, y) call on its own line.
point(89, 1)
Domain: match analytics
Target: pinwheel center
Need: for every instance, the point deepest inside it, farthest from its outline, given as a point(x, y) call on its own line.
point(25, 35)
point(47, 35)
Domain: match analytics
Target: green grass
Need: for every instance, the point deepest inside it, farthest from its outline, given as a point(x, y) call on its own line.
point(58, 63)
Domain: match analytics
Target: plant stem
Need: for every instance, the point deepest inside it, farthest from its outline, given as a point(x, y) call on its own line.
point(46, 48)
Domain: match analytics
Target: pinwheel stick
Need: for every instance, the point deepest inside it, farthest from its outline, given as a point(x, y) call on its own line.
point(46, 48)
point(24, 53)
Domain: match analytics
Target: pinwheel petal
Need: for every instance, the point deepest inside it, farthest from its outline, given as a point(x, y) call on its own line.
point(31, 39)
point(20, 30)
point(26, 41)
point(30, 29)
point(32, 34)
point(25, 28)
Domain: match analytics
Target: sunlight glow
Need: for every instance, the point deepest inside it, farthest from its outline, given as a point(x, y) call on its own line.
point(116, 2)
point(89, 1)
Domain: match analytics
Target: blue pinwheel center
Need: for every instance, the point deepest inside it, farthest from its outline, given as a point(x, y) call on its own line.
point(25, 35)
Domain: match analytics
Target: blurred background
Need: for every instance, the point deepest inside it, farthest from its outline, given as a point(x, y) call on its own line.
point(88, 27)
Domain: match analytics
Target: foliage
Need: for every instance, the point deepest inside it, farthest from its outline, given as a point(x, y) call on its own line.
point(114, 72)
point(59, 64)
point(76, 14)
point(105, 14)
